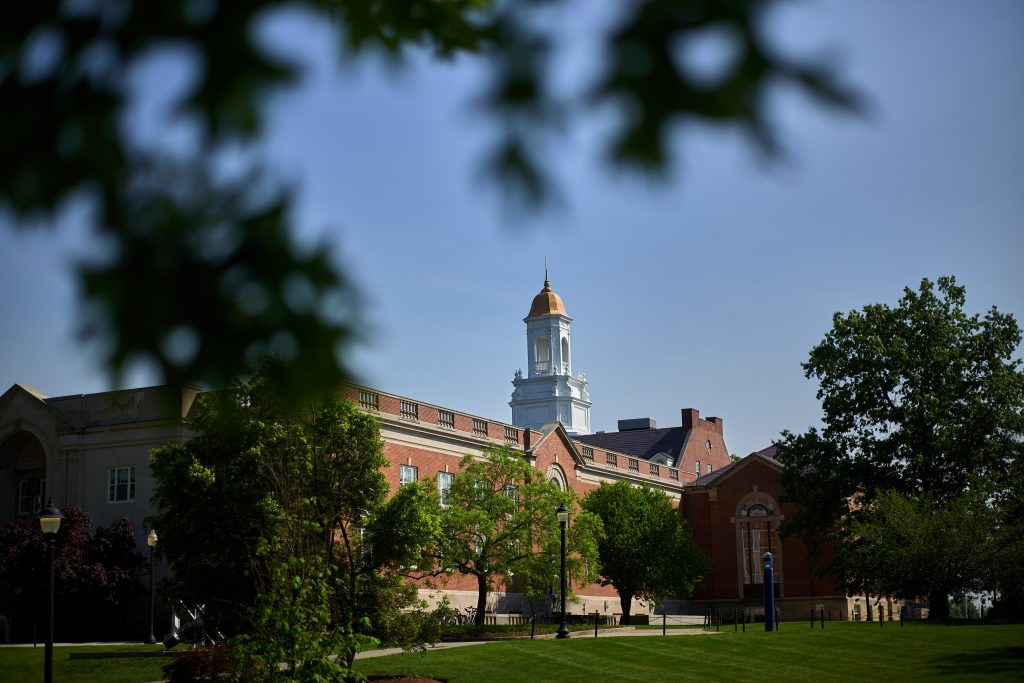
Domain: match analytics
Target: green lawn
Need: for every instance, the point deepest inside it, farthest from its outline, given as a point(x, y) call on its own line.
point(842, 652)
point(25, 665)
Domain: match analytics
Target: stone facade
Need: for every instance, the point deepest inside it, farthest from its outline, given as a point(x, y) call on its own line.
point(89, 451)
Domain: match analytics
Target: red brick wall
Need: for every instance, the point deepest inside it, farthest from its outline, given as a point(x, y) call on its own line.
point(695, 450)
point(714, 529)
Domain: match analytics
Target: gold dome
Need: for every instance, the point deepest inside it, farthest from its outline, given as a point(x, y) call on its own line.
point(547, 302)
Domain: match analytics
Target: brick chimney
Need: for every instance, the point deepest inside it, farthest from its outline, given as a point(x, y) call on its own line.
point(691, 418)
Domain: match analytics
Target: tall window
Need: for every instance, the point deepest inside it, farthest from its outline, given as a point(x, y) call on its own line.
point(697, 469)
point(512, 493)
point(444, 485)
point(30, 496)
point(757, 526)
point(408, 474)
point(121, 482)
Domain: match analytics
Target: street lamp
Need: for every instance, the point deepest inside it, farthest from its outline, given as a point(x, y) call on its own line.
point(563, 521)
point(151, 542)
point(49, 520)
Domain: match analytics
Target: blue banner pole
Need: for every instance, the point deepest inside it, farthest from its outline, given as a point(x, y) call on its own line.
point(769, 594)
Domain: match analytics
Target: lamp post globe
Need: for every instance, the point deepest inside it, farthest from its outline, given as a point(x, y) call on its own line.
point(562, 513)
point(151, 539)
point(49, 521)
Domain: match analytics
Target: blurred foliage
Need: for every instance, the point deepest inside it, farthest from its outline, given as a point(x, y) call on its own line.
point(202, 273)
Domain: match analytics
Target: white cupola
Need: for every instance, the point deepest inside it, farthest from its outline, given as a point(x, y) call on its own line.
point(549, 392)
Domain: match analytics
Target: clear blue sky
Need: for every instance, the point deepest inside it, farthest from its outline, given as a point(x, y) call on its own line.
point(705, 292)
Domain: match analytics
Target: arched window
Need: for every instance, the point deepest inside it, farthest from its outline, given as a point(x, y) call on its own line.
point(542, 355)
point(757, 523)
point(557, 475)
point(565, 356)
point(22, 475)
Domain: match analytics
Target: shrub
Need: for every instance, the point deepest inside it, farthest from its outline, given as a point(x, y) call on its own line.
point(198, 665)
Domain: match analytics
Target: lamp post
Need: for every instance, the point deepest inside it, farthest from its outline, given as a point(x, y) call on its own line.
point(563, 521)
point(49, 520)
point(151, 542)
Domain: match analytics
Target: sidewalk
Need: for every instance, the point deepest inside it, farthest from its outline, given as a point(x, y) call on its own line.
point(620, 632)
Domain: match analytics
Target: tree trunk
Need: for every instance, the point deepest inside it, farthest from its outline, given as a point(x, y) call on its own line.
point(627, 600)
point(938, 605)
point(481, 599)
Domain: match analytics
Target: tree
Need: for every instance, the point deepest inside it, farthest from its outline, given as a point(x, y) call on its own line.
point(920, 399)
point(646, 550)
point(261, 518)
point(96, 573)
point(498, 524)
point(908, 547)
point(243, 287)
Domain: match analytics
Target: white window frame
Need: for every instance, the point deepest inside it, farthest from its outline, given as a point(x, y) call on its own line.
point(115, 483)
point(34, 500)
point(408, 474)
point(444, 485)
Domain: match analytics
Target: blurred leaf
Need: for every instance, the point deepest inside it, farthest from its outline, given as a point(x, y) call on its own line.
point(162, 296)
point(208, 270)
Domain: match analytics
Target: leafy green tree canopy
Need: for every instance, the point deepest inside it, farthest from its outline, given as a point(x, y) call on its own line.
point(911, 546)
point(271, 494)
point(646, 550)
point(921, 399)
point(498, 524)
point(915, 398)
point(243, 288)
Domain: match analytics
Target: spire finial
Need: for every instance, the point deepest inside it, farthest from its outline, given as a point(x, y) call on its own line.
point(546, 283)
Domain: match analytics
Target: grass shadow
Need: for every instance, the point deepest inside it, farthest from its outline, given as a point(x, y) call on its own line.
point(988, 661)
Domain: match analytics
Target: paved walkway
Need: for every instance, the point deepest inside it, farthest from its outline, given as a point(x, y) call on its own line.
point(620, 632)
point(105, 642)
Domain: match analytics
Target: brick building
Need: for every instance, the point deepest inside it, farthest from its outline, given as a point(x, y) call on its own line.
point(92, 451)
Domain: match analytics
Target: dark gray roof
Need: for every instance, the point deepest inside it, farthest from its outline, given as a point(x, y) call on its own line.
point(769, 454)
point(709, 479)
point(640, 443)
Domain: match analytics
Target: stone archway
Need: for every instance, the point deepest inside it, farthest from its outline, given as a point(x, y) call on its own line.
point(22, 476)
